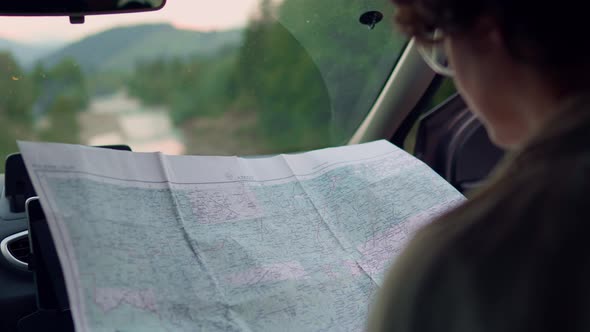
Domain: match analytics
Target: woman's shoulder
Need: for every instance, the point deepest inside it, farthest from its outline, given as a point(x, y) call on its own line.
point(533, 190)
point(547, 180)
point(513, 242)
point(514, 252)
point(530, 197)
point(531, 221)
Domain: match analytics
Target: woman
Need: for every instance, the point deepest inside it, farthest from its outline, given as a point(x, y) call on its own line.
point(516, 256)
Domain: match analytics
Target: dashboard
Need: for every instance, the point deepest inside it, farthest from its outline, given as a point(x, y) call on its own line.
point(28, 287)
point(17, 285)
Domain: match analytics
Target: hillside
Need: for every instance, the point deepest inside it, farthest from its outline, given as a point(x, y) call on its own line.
point(121, 48)
point(28, 54)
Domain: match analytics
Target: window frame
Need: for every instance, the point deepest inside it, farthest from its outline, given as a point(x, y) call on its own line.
point(406, 86)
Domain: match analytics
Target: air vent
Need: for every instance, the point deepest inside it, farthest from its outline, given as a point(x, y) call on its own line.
point(15, 250)
point(20, 249)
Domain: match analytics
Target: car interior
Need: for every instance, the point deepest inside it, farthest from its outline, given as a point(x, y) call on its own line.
point(403, 102)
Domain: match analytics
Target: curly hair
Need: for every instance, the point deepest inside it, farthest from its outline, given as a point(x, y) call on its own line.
point(551, 37)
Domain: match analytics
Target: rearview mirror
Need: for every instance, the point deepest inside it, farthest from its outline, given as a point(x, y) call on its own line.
point(76, 9)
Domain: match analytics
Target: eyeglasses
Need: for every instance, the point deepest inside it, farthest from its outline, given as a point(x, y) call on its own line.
point(434, 54)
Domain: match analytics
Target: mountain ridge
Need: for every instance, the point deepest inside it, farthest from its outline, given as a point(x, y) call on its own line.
point(120, 48)
point(28, 53)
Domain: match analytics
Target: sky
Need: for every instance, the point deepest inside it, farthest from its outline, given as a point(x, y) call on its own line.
point(204, 15)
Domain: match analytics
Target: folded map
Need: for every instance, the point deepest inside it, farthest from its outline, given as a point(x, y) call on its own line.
point(301, 242)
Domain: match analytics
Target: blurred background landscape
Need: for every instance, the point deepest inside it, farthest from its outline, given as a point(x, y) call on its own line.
point(300, 75)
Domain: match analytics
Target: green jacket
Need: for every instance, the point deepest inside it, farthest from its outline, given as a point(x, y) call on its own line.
point(516, 257)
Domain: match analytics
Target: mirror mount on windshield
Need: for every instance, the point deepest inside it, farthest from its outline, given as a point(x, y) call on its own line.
point(371, 19)
point(77, 19)
point(77, 9)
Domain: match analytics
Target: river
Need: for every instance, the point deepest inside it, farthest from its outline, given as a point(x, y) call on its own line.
point(122, 119)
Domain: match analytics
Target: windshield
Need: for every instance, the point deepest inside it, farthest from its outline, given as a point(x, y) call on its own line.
point(220, 77)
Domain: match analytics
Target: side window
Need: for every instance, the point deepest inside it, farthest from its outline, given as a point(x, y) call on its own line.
point(440, 91)
point(455, 144)
point(445, 90)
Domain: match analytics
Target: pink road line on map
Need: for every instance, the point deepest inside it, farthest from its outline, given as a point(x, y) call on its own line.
point(268, 273)
point(354, 268)
point(110, 298)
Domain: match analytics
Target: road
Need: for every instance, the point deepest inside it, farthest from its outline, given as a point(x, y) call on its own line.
point(121, 119)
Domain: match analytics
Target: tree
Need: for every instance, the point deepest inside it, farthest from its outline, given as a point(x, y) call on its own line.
point(61, 95)
point(314, 70)
point(68, 76)
point(16, 100)
point(289, 93)
point(16, 97)
point(354, 61)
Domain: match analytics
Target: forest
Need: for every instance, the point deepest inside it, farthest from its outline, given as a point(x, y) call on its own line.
point(306, 72)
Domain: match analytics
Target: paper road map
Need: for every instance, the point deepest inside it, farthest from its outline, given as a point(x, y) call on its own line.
point(301, 242)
